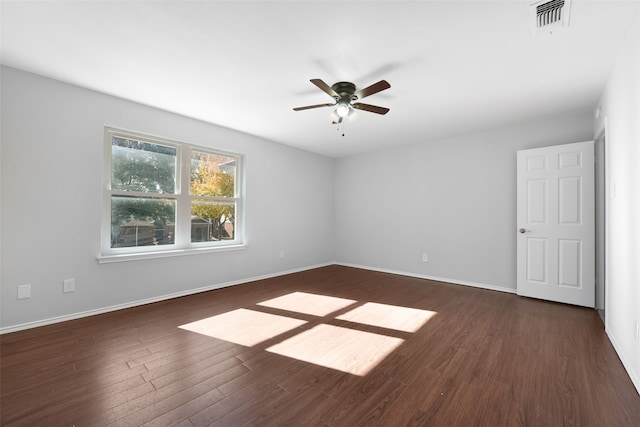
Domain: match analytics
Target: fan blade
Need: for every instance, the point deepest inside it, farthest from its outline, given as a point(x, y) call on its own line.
point(374, 88)
point(325, 88)
point(312, 106)
point(371, 108)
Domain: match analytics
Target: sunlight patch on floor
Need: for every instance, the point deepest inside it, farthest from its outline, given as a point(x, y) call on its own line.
point(344, 349)
point(302, 302)
point(244, 327)
point(389, 316)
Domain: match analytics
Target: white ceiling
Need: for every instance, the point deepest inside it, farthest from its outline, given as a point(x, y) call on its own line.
point(454, 66)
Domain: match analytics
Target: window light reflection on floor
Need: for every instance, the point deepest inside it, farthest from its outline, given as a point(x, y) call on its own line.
point(389, 316)
point(244, 327)
point(346, 349)
point(302, 302)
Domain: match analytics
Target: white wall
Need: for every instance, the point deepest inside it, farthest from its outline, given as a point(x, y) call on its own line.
point(453, 199)
point(52, 156)
point(620, 110)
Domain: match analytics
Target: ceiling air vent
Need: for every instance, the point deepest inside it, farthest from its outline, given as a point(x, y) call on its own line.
point(550, 15)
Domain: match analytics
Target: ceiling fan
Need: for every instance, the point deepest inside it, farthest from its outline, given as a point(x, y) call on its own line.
point(345, 96)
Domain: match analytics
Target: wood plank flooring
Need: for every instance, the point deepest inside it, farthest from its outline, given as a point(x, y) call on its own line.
point(444, 355)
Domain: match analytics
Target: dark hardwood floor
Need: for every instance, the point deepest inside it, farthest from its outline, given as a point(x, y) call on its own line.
point(257, 354)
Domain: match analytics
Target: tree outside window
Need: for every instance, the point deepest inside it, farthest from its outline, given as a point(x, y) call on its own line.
point(145, 203)
point(213, 191)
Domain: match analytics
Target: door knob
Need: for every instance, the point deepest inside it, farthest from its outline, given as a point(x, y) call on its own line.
point(522, 230)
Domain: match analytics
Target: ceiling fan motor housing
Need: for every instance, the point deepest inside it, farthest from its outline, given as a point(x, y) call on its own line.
point(345, 90)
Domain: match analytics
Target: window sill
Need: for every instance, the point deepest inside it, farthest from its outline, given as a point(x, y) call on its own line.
point(110, 258)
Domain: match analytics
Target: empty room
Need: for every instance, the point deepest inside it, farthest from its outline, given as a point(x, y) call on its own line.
point(320, 213)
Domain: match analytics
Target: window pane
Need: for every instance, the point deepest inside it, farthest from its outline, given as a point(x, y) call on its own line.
point(212, 221)
point(212, 175)
point(137, 221)
point(142, 166)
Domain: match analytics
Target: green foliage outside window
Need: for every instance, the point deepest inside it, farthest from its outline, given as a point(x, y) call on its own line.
point(144, 199)
point(213, 176)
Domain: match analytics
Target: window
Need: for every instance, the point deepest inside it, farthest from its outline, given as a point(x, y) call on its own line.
point(164, 196)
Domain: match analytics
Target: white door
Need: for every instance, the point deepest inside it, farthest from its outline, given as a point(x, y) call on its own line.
point(556, 223)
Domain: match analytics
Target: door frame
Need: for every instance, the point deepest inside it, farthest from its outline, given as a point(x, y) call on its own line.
point(603, 192)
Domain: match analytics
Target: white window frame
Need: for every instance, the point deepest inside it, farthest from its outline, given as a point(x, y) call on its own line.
point(182, 244)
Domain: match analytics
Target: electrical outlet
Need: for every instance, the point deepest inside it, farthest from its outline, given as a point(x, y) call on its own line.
point(68, 285)
point(281, 254)
point(24, 291)
point(425, 258)
point(636, 331)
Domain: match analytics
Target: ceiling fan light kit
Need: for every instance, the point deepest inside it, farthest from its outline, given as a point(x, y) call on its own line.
point(345, 97)
point(342, 110)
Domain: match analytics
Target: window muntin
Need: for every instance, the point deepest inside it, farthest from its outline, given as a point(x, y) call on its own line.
point(145, 208)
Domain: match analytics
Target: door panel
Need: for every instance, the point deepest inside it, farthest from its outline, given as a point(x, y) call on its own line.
point(569, 200)
point(570, 261)
point(537, 201)
point(556, 223)
point(537, 261)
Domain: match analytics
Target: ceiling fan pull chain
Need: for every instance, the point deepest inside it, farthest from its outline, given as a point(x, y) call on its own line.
point(341, 131)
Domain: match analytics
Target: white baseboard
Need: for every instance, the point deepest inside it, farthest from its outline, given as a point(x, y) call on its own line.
point(437, 279)
point(635, 378)
point(633, 375)
point(73, 316)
